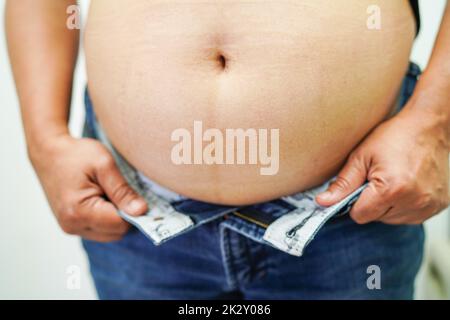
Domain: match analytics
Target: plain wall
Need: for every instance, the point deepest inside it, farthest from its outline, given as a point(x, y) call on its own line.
point(36, 258)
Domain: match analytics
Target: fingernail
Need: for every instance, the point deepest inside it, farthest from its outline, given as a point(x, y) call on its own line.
point(135, 206)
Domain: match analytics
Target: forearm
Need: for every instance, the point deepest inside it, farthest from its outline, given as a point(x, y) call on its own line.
point(43, 54)
point(432, 95)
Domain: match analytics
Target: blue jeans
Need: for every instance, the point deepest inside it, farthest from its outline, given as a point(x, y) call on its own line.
point(224, 256)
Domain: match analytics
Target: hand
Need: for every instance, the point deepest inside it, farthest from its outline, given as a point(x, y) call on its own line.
point(406, 163)
point(84, 188)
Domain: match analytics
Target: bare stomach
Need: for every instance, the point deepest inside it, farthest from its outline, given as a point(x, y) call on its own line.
point(313, 71)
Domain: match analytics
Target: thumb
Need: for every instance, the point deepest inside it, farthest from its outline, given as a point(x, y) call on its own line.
point(119, 192)
point(350, 178)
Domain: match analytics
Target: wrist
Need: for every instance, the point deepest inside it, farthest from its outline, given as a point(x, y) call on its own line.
point(41, 146)
point(430, 105)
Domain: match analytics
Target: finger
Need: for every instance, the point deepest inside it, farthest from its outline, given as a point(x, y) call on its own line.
point(371, 205)
point(97, 236)
point(102, 216)
point(118, 190)
point(350, 178)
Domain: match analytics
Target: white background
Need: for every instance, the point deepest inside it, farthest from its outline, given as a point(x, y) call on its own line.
point(35, 256)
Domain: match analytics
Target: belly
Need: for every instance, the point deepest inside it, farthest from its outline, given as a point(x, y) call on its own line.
point(170, 80)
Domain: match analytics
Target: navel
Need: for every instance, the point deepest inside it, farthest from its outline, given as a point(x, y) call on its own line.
point(221, 61)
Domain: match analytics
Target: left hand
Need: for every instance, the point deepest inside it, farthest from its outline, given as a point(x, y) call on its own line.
point(406, 162)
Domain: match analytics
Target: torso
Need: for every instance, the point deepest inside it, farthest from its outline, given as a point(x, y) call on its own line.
point(311, 69)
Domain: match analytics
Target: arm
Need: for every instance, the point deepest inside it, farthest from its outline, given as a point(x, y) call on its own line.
point(433, 91)
point(43, 54)
point(405, 159)
point(79, 177)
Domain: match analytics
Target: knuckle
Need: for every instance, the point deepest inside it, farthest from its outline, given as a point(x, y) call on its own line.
point(68, 229)
point(69, 218)
point(358, 217)
point(67, 225)
point(423, 201)
point(341, 183)
point(122, 191)
point(106, 161)
point(379, 185)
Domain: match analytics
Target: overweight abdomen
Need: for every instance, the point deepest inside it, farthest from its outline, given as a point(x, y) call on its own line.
point(312, 70)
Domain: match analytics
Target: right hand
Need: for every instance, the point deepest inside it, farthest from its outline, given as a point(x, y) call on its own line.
point(85, 188)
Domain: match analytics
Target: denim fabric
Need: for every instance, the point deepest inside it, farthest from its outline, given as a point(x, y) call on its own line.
point(214, 262)
point(227, 257)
